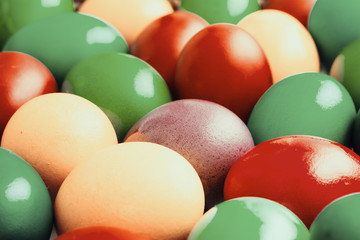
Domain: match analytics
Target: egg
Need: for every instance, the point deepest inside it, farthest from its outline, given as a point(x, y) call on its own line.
point(142, 187)
point(54, 132)
point(25, 205)
point(287, 44)
point(129, 17)
point(208, 135)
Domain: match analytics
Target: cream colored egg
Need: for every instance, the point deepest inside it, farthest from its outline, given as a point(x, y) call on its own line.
point(142, 187)
point(55, 132)
point(130, 17)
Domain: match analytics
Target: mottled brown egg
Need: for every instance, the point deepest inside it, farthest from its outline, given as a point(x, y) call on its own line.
point(208, 135)
point(142, 187)
point(54, 132)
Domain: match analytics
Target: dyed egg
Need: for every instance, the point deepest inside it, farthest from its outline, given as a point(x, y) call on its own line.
point(304, 104)
point(345, 69)
point(338, 220)
point(62, 40)
point(22, 77)
point(303, 173)
point(142, 187)
point(123, 86)
point(287, 44)
point(55, 132)
point(300, 9)
point(129, 17)
point(223, 64)
point(221, 11)
point(17, 13)
point(100, 232)
point(356, 133)
point(25, 205)
point(161, 42)
point(208, 135)
point(334, 24)
point(249, 218)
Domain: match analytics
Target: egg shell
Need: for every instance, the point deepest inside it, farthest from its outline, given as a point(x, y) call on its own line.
point(249, 218)
point(62, 40)
point(15, 14)
point(142, 187)
point(55, 132)
point(123, 86)
point(23, 195)
point(22, 77)
point(222, 63)
point(220, 11)
point(304, 104)
point(303, 173)
point(287, 44)
point(100, 232)
point(161, 42)
point(129, 17)
point(208, 135)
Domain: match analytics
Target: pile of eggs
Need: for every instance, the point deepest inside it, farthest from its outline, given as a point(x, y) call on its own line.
point(192, 119)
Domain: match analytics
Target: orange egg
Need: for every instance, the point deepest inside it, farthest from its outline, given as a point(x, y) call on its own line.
point(143, 187)
point(55, 132)
point(130, 17)
point(287, 44)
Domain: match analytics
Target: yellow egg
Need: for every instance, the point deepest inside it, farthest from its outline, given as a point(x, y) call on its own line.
point(55, 132)
point(287, 44)
point(130, 17)
point(142, 187)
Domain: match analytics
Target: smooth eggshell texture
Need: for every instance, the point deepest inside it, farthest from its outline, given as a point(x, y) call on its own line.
point(161, 42)
point(222, 63)
point(141, 187)
point(55, 132)
point(100, 232)
point(207, 134)
point(287, 44)
point(303, 173)
point(129, 17)
point(300, 9)
point(22, 77)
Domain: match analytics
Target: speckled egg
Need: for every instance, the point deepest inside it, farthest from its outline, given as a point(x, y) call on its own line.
point(208, 135)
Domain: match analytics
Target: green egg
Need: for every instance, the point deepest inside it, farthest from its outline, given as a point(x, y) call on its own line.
point(221, 11)
point(25, 205)
point(346, 70)
point(62, 40)
point(249, 218)
point(339, 220)
point(123, 86)
point(304, 104)
point(14, 14)
point(334, 24)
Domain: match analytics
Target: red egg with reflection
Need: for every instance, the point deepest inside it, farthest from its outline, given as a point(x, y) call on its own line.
point(22, 77)
point(224, 64)
point(100, 232)
point(161, 42)
point(300, 9)
point(303, 173)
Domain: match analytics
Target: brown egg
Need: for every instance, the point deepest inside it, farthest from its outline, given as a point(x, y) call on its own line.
point(55, 132)
point(142, 187)
point(130, 17)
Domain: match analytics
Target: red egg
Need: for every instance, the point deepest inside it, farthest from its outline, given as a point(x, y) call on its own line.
point(161, 42)
point(100, 232)
point(222, 63)
point(300, 9)
point(22, 77)
point(303, 173)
